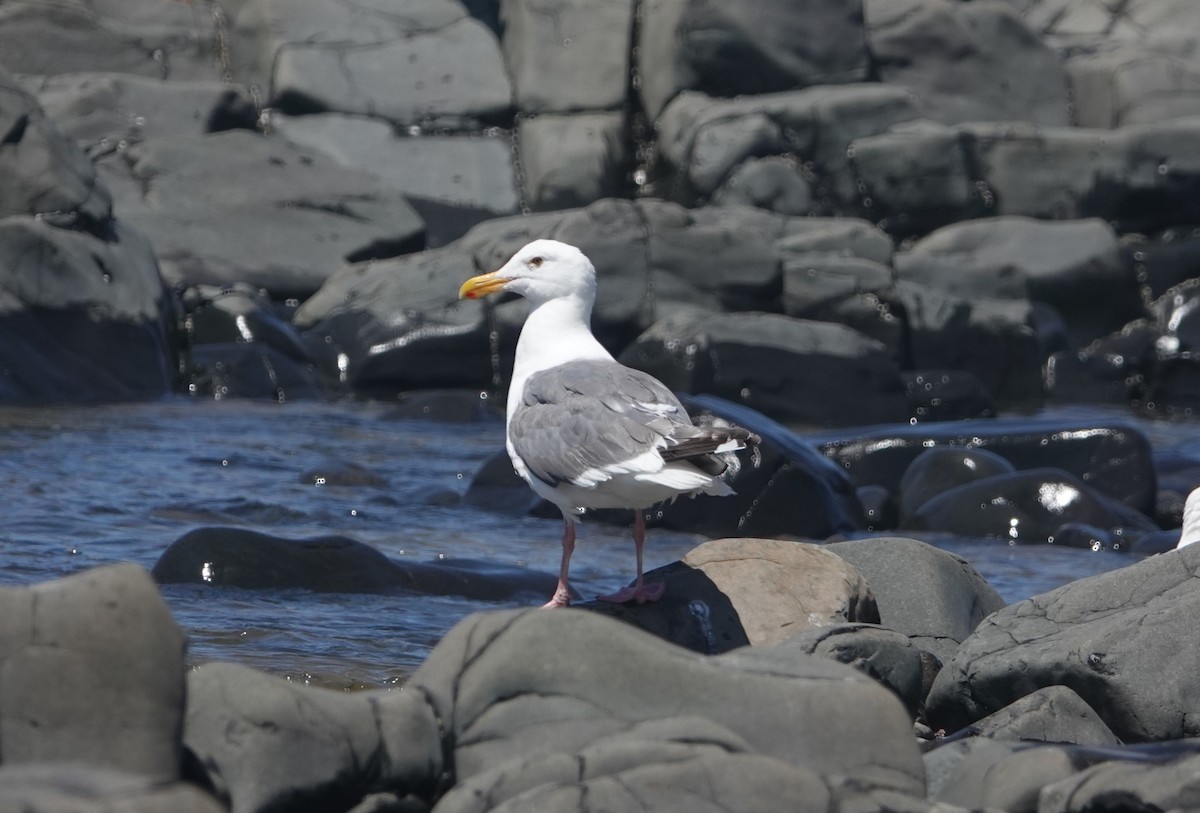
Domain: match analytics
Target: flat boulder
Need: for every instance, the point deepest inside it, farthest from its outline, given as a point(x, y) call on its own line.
point(71, 787)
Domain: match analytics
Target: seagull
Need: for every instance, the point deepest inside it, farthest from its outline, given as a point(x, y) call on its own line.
point(1191, 520)
point(584, 430)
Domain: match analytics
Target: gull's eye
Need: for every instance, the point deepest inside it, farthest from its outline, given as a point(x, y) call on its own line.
point(536, 262)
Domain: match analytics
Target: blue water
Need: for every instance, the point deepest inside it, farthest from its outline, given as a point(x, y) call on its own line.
point(86, 486)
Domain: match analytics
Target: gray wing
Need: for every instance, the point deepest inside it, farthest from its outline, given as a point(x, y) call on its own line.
point(590, 415)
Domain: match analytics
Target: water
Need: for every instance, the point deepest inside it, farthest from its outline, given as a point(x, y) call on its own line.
point(86, 486)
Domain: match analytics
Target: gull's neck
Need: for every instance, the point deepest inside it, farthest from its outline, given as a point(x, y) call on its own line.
point(557, 331)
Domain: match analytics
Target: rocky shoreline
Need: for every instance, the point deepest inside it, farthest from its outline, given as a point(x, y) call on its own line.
point(929, 212)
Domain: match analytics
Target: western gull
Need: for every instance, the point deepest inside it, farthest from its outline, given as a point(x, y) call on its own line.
point(584, 430)
point(1190, 532)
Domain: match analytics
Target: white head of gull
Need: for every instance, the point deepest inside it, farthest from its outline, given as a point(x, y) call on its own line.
point(585, 431)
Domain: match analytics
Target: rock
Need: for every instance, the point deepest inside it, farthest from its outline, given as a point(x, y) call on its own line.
point(238, 207)
point(934, 597)
point(237, 370)
point(947, 395)
point(975, 62)
point(239, 557)
point(890, 657)
point(1135, 83)
point(1052, 714)
point(573, 160)
point(71, 787)
point(1113, 639)
point(1112, 457)
point(452, 181)
point(264, 743)
point(1124, 785)
point(732, 592)
point(702, 140)
point(490, 678)
point(143, 37)
point(981, 773)
point(941, 468)
point(661, 765)
point(91, 671)
point(45, 174)
point(1114, 369)
point(82, 318)
point(773, 183)
point(1061, 264)
point(767, 361)
point(567, 56)
point(107, 112)
point(748, 47)
point(431, 66)
point(239, 313)
point(1022, 507)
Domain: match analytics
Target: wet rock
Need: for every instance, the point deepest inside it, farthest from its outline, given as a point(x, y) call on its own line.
point(264, 743)
point(238, 557)
point(569, 56)
point(70, 787)
point(142, 37)
point(702, 140)
point(295, 216)
point(82, 318)
point(431, 66)
point(238, 370)
point(890, 657)
point(1022, 507)
point(1114, 639)
point(452, 180)
point(934, 597)
point(342, 474)
point(967, 62)
point(45, 174)
point(90, 661)
point(489, 679)
point(1051, 714)
point(944, 467)
point(106, 112)
point(1113, 457)
point(773, 183)
point(1061, 264)
point(573, 160)
point(947, 395)
point(1114, 369)
point(661, 765)
point(747, 47)
point(767, 361)
point(731, 592)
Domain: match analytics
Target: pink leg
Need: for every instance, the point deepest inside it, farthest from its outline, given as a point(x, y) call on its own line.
point(640, 592)
point(562, 594)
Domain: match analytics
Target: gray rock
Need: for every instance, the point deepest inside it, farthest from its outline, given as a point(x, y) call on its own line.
point(702, 140)
point(238, 557)
point(72, 787)
point(1114, 639)
point(143, 37)
point(967, 62)
point(674, 764)
point(236, 313)
point(1125, 786)
point(538, 683)
point(1022, 507)
point(982, 773)
point(1062, 264)
point(746, 47)
point(264, 743)
point(773, 183)
point(736, 591)
point(238, 207)
point(1136, 83)
point(106, 112)
point(767, 361)
point(238, 370)
point(845, 290)
point(45, 174)
point(430, 64)
point(468, 176)
point(890, 657)
point(573, 160)
point(91, 671)
point(944, 467)
point(934, 597)
point(567, 56)
point(1052, 714)
point(82, 318)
